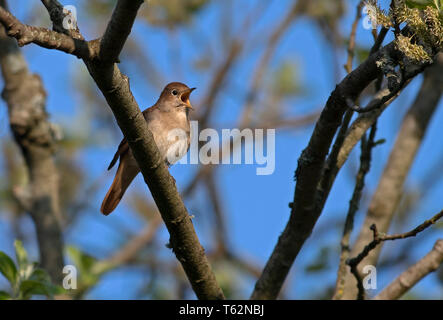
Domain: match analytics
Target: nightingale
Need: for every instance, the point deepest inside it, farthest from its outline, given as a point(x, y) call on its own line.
point(168, 120)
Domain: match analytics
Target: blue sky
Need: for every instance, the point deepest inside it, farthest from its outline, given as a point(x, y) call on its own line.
point(256, 206)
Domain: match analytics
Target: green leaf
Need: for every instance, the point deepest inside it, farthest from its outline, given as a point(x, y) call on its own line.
point(4, 295)
point(7, 268)
point(21, 254)
point(39, 283)
point(40, 275)
point(29, 288)
point(89, 269)
point(81, 260)
point(56, 290)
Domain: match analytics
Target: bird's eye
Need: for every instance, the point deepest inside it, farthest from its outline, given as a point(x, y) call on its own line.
point(174, 92)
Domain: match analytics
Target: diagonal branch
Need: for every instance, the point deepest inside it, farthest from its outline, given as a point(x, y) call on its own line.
point(379, 238)
point(387, 196)
point(365, 162)
point(342, 146)
point(118, 29)
point(48, 39)
point(404, 282)
point(308, 174)
point(183, 238)
point(25, 97)
point(115, 88)
point(351, 46)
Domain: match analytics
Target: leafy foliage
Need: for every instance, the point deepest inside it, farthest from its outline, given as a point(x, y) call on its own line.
point(90, 270)
point(25, 278)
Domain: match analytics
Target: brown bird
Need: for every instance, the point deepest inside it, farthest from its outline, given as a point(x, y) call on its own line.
point(168, 120)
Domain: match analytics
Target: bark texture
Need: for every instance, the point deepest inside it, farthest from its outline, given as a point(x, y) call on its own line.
point(26, 100)
point(101, 63)
point(388, 194)
point(429, 263)
point(308, 174)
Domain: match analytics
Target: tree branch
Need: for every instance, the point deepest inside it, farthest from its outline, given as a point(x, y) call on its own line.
point(413, 274)
point(48, 39)
point(378, 238)
point(115, 88)
point(118, 29)
point(183, 239)
point(390, 188)
point(57, 16)
point(378, 103)
point(55, 10)
point(25, 97)
point(310, 164)
point(347, 137)
point(365, 162)
point(351, 46)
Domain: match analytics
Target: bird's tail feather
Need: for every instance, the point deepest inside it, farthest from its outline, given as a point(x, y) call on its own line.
point(122, 180)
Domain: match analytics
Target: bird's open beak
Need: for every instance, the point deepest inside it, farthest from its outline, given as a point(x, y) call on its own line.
point(185, 97)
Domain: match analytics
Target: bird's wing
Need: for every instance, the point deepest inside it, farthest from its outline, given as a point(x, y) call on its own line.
point(124, 146)
point(122, 149)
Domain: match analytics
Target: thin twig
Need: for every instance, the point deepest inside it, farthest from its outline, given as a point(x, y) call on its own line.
point(25, 96)
point(365, 161)
point(378, 238)
point(351, 46)
point(48, 39)
point(115, 88)
point(335, 158)
point(413, 274)
point(304, 212)
point(378, 103)
point(385, 201)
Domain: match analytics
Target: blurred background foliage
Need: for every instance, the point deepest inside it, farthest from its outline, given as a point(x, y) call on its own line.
point(193, 40)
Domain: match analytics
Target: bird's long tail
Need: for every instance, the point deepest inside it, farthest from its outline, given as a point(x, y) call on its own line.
point(123, 178)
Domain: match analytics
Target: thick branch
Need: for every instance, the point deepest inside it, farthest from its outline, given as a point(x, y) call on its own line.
point(413, 274)
point(118, 30)
point(379, 238)
point(303, 214)
point(183, 239)
point(390, 188)
point(346, 137)
point(45, 38)
point(55, 10)
point(26, 98)
point(115, 88)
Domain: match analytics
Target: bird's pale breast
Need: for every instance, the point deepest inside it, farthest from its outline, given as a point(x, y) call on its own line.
point(171, 134)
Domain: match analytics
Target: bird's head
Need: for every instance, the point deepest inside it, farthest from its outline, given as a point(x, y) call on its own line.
point(176, 95)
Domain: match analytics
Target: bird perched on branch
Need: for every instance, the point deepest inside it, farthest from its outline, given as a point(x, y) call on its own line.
point(168, 120)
